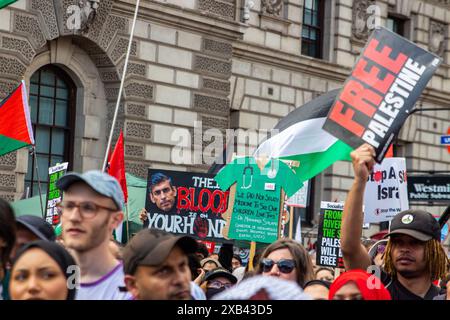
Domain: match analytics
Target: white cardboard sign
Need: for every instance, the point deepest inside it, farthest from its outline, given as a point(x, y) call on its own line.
point(386, 191)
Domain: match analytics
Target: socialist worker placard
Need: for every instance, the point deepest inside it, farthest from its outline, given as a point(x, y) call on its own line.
point(381, 91)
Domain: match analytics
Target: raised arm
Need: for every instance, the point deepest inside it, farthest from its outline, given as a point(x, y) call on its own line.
point(354, 254)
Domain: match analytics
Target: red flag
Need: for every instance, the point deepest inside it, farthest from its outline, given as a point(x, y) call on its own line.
point(116, 166)
point(15, 123)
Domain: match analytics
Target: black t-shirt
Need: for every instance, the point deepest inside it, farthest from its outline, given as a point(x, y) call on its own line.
point(399, 292)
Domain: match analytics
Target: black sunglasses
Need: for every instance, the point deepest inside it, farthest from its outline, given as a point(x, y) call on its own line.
point(284, 265)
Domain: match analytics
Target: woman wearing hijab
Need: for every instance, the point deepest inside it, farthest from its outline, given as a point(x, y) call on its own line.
point(358, 285)
point(43, 270)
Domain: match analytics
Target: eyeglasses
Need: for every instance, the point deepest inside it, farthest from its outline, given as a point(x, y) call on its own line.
point(219, 285)
point(284, 265)
point(88, 210)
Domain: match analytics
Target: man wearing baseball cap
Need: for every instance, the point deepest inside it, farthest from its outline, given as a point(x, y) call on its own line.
point(31, 228)
point(413, 257)
point(156, 265)
point(90, 211)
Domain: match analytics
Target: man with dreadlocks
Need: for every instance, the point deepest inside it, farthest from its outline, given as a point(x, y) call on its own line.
point(413, 258)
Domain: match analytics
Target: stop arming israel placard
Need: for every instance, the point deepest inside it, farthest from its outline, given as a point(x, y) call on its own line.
point(382, 89)
point(386, 191)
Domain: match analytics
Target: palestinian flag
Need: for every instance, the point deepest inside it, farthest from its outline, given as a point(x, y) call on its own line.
point(4, 3)
point(302, 139)
point(15, 123)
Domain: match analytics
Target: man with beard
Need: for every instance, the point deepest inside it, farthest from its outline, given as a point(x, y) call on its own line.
point(413, 257)
point(156, 265)
point(90, 211)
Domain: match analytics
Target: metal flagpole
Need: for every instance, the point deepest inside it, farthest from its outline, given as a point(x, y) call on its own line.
point(119, 97)
point(33, 148)
point(128, 225)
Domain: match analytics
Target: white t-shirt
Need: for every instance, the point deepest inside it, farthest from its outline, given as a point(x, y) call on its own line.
point(105, 288)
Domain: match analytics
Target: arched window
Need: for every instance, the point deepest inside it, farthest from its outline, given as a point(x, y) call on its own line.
point(52, 104)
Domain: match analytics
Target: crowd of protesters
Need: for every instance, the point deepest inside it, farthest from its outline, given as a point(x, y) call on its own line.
point(86, 263)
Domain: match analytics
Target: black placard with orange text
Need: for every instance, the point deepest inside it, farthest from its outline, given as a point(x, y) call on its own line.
point(385, 83)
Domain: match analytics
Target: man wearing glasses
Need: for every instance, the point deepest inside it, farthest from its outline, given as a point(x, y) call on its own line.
point(91, 210)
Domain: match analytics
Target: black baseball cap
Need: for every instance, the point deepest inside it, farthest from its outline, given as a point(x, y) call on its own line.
point(418, 224)
point(38, 226)
point(220, 272)
point(150, 247)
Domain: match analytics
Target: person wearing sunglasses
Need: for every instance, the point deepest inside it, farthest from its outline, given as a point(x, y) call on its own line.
point(286, 259)
point(91, 209)
point(218, 280)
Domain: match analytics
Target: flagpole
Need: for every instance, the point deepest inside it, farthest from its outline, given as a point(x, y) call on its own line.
point(128, 225)
point(38, 180)
point(125, 67)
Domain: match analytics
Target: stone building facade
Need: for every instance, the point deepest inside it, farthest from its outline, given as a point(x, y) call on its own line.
point(238, 64)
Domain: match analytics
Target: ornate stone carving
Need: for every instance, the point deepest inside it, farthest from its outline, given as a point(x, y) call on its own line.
point(6, 88)
point(87, 17)
point(29, 26)
point(212, 84)
point(109, 75)
point(102, 60)
point(113, 25)
point(211, 65)
point(111, 93)
point(120, 49)
point(22, 46)
point(8, 161)
point(8, 180)
point(134, 68)
point(11, 66)
point(8, 197)
point(437, 37)
point(218, 47)
point(132, 150)
point(139, 90)
point(359, 16)
point(138, 169)
point(214, 122)
point(271, 7)
point(47, 10)
point(137, 110)
point(138, 130)
point(214, 105)
point(222, 9)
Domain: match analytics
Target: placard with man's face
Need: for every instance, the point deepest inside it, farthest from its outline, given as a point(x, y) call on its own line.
point(186, 203)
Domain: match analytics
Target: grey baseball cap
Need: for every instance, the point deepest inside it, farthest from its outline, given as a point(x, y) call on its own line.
point(101, 182)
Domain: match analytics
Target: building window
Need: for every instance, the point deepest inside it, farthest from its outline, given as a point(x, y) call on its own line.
point(312, 29)
point(52, 107)
point(396, 25)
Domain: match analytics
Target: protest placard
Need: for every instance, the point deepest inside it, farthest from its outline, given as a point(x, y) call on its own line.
point(54, 195)
point(377, 97)
point(328, 251)
point(186, 203)
point(386, 191)
point(257, 200)
point(300, 198)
